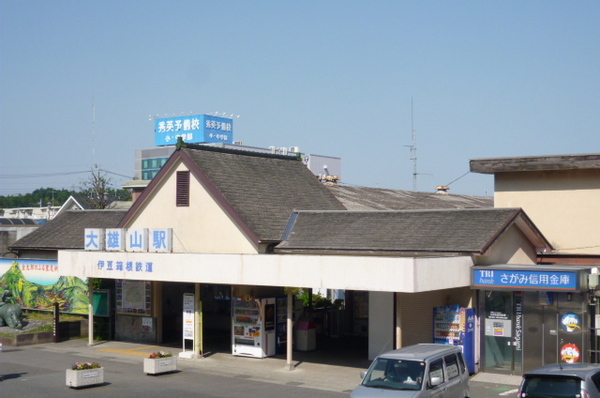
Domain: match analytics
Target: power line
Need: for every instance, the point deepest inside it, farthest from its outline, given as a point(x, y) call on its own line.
point(36, 175)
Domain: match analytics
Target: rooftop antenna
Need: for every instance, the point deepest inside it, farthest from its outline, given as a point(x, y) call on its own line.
point(413, 146)
point(93, 130)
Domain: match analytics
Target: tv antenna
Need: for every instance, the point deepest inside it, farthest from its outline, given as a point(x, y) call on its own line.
point(413, 147)
point(93, 130)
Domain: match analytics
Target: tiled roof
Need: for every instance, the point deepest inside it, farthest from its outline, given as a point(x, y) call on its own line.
point(263, 189)
point(412, 231)
point(66, 231)
point(363, 198)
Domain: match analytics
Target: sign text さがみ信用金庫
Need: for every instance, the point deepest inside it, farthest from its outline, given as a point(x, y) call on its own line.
point(540, 280)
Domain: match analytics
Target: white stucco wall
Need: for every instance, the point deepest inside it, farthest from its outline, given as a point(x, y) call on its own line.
point(564, 205)
point(203, 227)
point(510, 248)
point(381, 323)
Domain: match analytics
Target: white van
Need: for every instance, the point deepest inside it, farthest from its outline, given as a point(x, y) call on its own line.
point(417, 371)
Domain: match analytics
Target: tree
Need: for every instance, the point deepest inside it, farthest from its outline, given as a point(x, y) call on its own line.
point(96, 190)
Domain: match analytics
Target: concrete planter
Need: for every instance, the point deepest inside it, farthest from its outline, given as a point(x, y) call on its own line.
point(85, 378)
point(155, 366)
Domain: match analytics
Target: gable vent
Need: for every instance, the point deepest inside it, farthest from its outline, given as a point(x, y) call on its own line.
point(183, 189)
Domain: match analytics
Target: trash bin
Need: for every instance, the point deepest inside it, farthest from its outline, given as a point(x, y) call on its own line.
point(306, 336)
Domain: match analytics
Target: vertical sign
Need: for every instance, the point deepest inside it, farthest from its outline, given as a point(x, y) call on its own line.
point(188, 317)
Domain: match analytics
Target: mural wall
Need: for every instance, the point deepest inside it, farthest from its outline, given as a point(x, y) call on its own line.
point(38, 284)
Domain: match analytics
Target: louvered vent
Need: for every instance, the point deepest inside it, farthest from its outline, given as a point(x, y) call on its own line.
point(183, 188)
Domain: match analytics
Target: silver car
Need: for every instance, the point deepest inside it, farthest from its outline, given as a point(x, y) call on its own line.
point(417, 371)
point(580, 380)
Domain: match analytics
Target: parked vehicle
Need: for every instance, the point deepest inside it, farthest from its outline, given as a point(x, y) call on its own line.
point(562, 380)
point(417, 371)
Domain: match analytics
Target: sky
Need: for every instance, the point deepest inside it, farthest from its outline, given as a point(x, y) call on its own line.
point(349, 79)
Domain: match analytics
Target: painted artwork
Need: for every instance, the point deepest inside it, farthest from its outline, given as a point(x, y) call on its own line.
point(38, 284)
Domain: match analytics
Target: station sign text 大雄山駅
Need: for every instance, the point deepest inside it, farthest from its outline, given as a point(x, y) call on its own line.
point(193, 129)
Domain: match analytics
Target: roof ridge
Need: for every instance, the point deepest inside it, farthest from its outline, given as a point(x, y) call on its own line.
point(240, 152)
point(473, 209)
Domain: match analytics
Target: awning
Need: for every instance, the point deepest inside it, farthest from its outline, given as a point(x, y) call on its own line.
point(386, 274)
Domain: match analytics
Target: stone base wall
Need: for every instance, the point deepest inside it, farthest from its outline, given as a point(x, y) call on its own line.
point(67, 330)
point(130, 328)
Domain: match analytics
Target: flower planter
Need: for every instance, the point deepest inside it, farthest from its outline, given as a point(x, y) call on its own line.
point(85, 377)
point(155, 366)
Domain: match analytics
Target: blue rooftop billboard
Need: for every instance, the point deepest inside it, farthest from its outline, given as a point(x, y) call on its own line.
point(193, 129)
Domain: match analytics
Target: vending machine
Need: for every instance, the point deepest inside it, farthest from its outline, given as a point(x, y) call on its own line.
point(455, 325)
point(281, 325)
point(253, 327)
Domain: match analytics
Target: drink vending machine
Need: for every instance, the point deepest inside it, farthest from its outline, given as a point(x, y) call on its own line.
point(253, 327)
point(281, 325)
point(455, 325)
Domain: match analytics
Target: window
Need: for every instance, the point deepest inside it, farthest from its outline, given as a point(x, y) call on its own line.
point(183, 189)
point(451, 366)
point(461, 362)
point(596, 380)
point(436, 369)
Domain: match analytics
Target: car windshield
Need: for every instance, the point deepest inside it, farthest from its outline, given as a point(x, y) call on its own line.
point(395, 374)
point(540, 386)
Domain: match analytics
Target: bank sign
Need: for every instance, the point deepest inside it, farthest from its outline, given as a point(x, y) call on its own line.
point(514, 279)
point(193, 129)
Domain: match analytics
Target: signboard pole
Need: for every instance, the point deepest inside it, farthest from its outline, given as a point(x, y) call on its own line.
point(198, 337)
point(189, 312)
point(56, 322)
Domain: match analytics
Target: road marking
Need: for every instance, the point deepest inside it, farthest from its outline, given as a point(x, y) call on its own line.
point(129, 351)
point(510, 392)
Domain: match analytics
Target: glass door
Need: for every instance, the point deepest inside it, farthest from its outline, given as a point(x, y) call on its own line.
point(502, 331)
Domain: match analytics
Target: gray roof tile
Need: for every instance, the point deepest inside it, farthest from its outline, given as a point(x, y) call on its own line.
point(262, 189)
point(66, 231)
point(365, 198)
point(410, 231)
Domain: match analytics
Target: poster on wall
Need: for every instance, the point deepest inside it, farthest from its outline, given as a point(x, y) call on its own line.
point(133, 297)
point(38, 284)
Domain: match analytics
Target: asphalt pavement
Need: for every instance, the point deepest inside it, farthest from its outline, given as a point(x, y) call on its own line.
point(314, 373)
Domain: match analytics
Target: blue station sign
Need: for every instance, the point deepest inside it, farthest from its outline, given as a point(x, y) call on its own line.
point(193, 129)
point(520, 279)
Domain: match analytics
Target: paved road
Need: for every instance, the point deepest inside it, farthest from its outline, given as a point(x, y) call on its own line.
point(39, 371)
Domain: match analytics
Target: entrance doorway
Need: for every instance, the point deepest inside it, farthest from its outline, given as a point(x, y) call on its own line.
point(525, 330)
point(500, 328)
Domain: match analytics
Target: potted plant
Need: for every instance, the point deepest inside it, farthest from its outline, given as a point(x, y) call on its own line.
point(160, 362)
point(84, 374)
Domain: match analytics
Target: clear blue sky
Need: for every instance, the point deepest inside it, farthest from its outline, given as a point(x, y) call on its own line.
point(487, 79)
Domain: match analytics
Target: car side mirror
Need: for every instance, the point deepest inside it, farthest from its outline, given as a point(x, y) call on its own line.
point(435, 381)
point(363, 374)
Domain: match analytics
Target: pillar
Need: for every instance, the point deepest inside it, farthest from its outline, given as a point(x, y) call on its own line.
point(290, 331)
point(91, 311)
